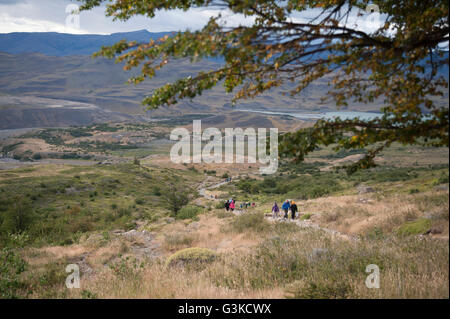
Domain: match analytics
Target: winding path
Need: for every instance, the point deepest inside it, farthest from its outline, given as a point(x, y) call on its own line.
point(301, 223)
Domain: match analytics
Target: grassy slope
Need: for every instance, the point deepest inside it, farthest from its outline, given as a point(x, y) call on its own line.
point(76, 210)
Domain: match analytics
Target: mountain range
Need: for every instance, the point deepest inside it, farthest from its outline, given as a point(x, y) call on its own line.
point(63, 44)
point(60, 67)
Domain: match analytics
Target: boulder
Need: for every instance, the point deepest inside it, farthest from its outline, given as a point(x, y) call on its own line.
point(365, 189)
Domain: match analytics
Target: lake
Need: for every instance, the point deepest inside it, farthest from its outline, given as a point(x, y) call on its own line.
point(326, 115)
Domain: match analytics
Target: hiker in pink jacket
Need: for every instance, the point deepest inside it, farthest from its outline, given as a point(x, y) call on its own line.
point(232, 205)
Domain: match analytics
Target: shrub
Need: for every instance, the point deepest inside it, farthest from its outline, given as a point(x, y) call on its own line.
point(156, 191)
point(223, 214)
point(11, 266)
point(139, 201)
point(175, 199)
point(250, 221)
point(127, 268)
point(188, 212)
point(123, 212)
point(219, 205)
point(322, 290)
point(305, 217)
point(178, 240)
point(443, 179)
point(86, 294)
point(415, 227)
point(19, 216)
point(192, 256)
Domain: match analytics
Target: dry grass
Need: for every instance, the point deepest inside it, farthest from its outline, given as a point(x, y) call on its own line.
point(355, 214)
point(285, 267)
point(279, 262)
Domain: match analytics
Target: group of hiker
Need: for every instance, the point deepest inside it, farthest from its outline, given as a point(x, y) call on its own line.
point(247, 204)
point(230, 205)
point(287, 206)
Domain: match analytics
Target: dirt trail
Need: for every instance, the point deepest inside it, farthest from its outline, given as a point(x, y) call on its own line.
point(301, 223)
point(203, 188)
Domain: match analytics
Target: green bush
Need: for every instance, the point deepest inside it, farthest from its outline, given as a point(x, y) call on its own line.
point(250, 222)
point(219, 205)
point(188, 212)
point(18, 216)
point(86, 294)
point(415, 227)
point(305, 217)
point(11, 266)
point(443, 179)
point(139, 201)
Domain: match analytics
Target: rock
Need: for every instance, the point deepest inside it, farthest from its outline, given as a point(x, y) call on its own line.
point(224, 243)
point(169, 220)
point(93, 239)
point(130, 233)
point(275, 239)
point(365, 189)
point(428, 215)
point(193, 226)
point(436, 230)
point(71, 190)
point(318, 254)
point(442, 187)
point(85, 269)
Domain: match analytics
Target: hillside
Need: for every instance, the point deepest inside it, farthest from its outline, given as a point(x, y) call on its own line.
point(62, 44)
point(117, 222)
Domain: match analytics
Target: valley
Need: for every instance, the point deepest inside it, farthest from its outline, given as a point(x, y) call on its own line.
point(107, 198)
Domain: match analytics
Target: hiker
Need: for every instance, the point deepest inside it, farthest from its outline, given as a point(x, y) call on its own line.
point(294, 209)
point(232, 205)
point(253, 204)
point(286, 205)
point(275, 210)
point(227, 205)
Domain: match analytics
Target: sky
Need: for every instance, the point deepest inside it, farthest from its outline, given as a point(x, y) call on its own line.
point(51, 16)
point(54, 16)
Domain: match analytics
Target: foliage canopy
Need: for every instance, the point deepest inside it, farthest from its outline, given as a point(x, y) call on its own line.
point(396, 64)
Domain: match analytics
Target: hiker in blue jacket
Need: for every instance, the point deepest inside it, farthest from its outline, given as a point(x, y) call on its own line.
point(286, 205)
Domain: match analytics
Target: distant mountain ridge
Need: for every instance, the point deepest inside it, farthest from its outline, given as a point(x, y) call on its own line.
point(58, 66)
point(64, 44)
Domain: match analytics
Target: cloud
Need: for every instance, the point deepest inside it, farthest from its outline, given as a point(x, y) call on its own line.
point(50, 15)
point(16, 24)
